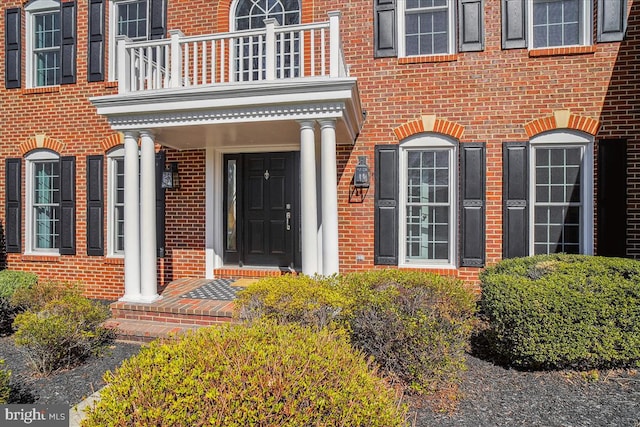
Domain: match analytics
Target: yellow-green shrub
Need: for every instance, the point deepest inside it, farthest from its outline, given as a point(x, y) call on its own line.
point(263, 374)
point(35, 297)
point(5, 389)
point(64, 333)
point(10, 283)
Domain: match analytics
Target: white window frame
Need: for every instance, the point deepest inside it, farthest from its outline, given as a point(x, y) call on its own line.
point(35, 8)
point(112, 157)
point(418, 143)
point(113, 30)
point(30, 160)
point(586, 27)
point(569, 139)
point(401, 12)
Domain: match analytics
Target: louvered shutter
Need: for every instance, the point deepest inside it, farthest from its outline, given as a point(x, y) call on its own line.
point(386, 205)
point(514, 24)
point(13, 205)
point(472, 204)
point(95, 60)
point(68, 205)
point(516, 200)
point(12, 48)
point(471, 25)
point(158, 27)
point(95, 205)
point(68, 45)
point(612, 20)
point(385, 28)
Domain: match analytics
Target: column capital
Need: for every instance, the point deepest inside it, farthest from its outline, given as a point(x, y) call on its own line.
point(146, 133)
point(307, 124)
point(326, 123)
point(130, 134)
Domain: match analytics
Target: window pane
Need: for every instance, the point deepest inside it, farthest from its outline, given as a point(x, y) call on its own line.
point(132, 19)
point(118, 205)
point(556, 23)
point(231, 205)
point(46, 199)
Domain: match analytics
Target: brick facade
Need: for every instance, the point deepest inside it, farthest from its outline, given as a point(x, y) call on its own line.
point(493, 96)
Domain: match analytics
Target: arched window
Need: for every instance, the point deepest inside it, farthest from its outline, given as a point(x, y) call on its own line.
point(250, 51)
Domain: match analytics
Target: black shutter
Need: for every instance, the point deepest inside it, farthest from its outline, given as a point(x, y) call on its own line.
point(612, 197)
point(158, 21)
point(471, 25)
point(12, 49)
point(472, 204)
point(68, 46)
point(13, 205)
point(68, 205)
point(384, 27)
point(95, 66)
point(160, 204)
point(612, 20)
point(514, 24)
point(386, 206)
point(95, 205)
point(515, 232)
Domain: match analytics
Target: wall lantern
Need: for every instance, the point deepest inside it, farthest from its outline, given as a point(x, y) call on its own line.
point(361, 176)
point(170, 176)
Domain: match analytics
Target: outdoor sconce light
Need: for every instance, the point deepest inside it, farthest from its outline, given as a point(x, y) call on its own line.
point(361, 176)
point(170, 176)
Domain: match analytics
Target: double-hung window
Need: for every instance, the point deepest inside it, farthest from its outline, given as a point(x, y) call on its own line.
point(115, 215)
point(43, 202)
point(427, 193)
point(561, 192)
point(426, 27)
point(560, 23)
point(43, 42)
point(128, 18)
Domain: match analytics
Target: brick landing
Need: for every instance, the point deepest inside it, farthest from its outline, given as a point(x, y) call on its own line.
point(171, 314)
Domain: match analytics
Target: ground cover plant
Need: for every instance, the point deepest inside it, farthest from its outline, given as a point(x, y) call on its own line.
point(12, 282)
point(260, 374)
point(415, 325)
point(5, 388)
point(563, 311)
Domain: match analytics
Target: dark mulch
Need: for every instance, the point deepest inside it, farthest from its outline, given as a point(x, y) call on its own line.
point(491, 395)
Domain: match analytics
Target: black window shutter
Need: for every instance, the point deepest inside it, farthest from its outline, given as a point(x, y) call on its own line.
point(13, 205)
point(68, 205)
point(612, 20)
point(95, 66)
point(385, 28)
point(68, 46)
point(13, 48)
point(95, 205)
point(472, 204)
point(515, 232)
point(160, 204)
point(386, 205)
point(514, 24)
point(612, 197)
point(158, 27)
point(471, 25)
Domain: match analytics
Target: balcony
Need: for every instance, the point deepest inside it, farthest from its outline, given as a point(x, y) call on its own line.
point(244, 88)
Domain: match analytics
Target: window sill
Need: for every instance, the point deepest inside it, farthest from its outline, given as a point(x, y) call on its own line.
point(427, 266)
point(559, 51)
point(41, 258)
point(43, 89)
point(427, 59)
point(114, 260)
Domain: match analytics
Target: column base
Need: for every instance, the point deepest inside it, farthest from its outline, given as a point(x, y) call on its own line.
point(139, 299)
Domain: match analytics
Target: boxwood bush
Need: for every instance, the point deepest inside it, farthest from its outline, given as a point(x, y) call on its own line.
point(10, 283)
point(563, 311)
point(263, 374)
point(416, 325)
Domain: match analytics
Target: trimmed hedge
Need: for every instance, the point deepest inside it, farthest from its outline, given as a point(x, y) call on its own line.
point(10, 283)
point(262, 374)
point(563, 311)
point(416, 325)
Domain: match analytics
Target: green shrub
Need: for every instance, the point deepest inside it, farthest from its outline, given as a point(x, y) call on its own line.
point(312, 301)
point(265, 374)
point(64, 333)
point(10, 283)
point(416, 325)
point(5, 389)
point(563, 311)
point(38, 295)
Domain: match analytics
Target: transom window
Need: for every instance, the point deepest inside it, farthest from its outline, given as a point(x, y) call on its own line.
point(562, 194)
point(43, 41)
point(426, 27)
point(115, 215)
point(428, 201)
point(250, 51)
point(560, 23)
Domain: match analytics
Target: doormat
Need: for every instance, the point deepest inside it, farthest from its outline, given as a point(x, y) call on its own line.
point(218, 289)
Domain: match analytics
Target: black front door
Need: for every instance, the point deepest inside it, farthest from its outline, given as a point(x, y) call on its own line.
point(262, 218)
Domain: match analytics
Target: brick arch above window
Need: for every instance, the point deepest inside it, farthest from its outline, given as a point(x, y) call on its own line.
point(41, 141)
point(562, 119)
point(429, 124)
point(112, 141)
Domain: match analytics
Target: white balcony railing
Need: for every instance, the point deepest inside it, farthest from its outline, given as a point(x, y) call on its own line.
point(271, 53)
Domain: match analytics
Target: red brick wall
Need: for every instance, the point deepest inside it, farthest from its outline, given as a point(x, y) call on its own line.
point(491, 94)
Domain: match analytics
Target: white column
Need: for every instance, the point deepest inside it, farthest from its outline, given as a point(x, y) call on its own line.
point(131, 218)
point(309, 198)
point(148, 244)
point(330, 255)
point(319, 207)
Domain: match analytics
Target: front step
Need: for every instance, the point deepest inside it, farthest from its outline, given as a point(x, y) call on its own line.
point(145, 330)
